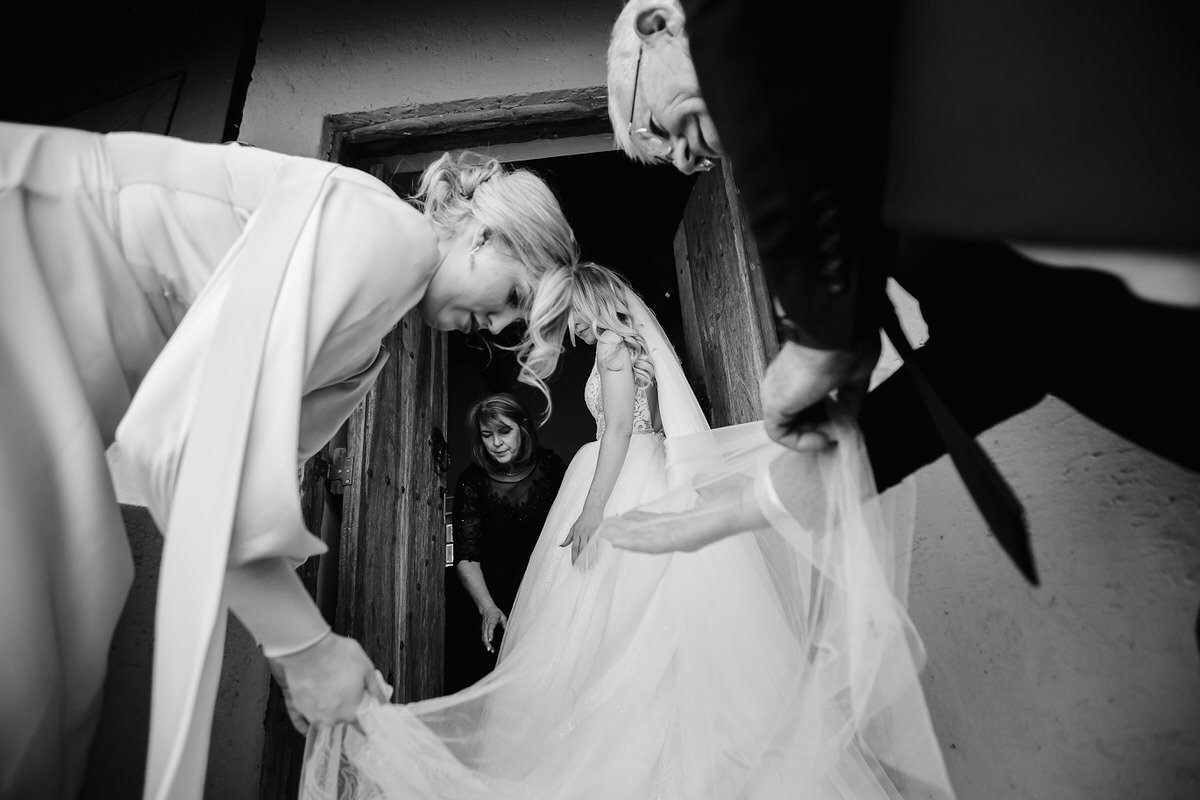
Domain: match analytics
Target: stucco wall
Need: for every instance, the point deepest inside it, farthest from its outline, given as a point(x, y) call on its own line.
point(315, 59)
point(1088, 687)
point(117, 761)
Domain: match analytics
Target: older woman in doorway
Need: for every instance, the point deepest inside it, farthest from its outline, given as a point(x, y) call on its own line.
point(218, 312)
point(500, 504)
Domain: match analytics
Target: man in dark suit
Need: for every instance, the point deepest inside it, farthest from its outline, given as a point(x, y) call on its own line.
point(1029, 171)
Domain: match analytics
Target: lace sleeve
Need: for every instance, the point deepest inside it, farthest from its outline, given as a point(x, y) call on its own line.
point(469, 499)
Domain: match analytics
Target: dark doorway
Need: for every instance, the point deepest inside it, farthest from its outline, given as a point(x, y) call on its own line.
point(625, 216)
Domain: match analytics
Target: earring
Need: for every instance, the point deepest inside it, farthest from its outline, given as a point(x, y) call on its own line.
point(471, 256)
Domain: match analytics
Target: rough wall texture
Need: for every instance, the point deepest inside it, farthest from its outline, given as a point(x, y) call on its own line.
point(315, 60)
point(118, 758)
point(1088, 687)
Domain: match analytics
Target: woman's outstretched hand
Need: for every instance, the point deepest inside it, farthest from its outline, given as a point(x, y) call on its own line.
point(580, 535)
point(492, 617)
point(326, 683)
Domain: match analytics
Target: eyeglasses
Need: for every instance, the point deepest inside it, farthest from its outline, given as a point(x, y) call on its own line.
point(658, 148)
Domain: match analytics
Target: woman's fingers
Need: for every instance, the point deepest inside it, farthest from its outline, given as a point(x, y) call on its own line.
point(588, 555)
point(379, 688)
point(490, 620)
point(326, 682)
point(298, 720)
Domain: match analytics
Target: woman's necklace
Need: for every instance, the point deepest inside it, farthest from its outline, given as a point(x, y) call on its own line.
point(511, 475)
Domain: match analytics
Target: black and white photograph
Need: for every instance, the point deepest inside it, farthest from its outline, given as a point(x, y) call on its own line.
point(600, 400)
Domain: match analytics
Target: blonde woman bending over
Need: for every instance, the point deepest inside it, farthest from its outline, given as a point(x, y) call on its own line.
point(218, 311)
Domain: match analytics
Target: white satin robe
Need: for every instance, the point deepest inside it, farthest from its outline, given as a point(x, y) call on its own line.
point(117, 254)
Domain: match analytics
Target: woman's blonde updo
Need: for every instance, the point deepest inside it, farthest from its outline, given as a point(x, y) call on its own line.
point(515, 205)
point(587, 293)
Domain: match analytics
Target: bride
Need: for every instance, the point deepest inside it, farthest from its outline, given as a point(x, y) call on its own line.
point(774, 665)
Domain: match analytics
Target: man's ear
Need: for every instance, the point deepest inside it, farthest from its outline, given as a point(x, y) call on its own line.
point(658, 20)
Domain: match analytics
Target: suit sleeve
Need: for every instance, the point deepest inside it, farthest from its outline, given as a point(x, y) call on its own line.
point(799, 96)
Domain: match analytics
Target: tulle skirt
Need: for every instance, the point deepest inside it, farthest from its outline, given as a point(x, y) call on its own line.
point(745, 669)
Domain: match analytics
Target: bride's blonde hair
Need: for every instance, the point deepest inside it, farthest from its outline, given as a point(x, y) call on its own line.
point(587, 293)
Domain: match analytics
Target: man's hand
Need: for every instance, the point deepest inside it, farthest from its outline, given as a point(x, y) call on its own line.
point(800, 377)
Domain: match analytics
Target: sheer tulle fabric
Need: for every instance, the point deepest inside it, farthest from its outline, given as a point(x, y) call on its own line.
point(778, 663)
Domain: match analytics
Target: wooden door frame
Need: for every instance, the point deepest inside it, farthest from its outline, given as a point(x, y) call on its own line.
point(352, 138)
point(729, 363)
point(357, 137)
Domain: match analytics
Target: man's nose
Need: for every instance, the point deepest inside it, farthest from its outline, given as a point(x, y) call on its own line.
point(681, 155)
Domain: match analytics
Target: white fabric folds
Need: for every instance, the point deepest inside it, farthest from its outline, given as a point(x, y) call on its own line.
point(776, 663)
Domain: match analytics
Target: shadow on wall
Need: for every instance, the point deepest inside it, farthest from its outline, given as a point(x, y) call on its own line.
point(1087, 687)
point(117, 763)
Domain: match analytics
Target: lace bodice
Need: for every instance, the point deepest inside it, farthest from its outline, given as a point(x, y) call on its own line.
point(643, 419)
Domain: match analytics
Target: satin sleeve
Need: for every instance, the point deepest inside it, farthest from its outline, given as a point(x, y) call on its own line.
point(360, 262)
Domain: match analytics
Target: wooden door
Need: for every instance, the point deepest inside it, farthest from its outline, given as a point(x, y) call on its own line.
point(729, 333)
point(391, 561)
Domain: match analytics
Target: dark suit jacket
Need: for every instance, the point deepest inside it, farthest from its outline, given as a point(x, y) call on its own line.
point(1066, 121)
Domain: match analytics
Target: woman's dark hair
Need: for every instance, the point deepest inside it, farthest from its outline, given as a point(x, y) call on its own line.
point(490, 409)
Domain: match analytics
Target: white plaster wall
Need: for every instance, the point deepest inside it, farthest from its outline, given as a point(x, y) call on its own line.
point(315, 58)
point(1088, 687)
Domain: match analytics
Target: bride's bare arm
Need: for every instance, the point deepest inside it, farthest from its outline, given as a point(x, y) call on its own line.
point(617, 392)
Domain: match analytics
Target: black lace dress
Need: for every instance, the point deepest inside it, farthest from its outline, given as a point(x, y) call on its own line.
point(497, 525)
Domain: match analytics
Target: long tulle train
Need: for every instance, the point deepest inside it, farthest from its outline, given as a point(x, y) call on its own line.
point(777, 663)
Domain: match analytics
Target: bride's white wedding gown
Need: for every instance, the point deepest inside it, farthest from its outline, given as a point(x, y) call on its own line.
point(755, 667)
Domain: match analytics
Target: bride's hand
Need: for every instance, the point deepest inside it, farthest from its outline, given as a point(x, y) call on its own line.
point(327, 682)
point(581, 533)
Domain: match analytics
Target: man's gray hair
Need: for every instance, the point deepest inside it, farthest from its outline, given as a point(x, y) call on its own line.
point(624, 45)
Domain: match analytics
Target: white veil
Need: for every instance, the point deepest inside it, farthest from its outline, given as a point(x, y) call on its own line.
point(793, 672)
point(838, 555)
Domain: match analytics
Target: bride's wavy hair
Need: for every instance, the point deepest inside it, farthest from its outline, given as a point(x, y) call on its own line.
point(585, 293)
